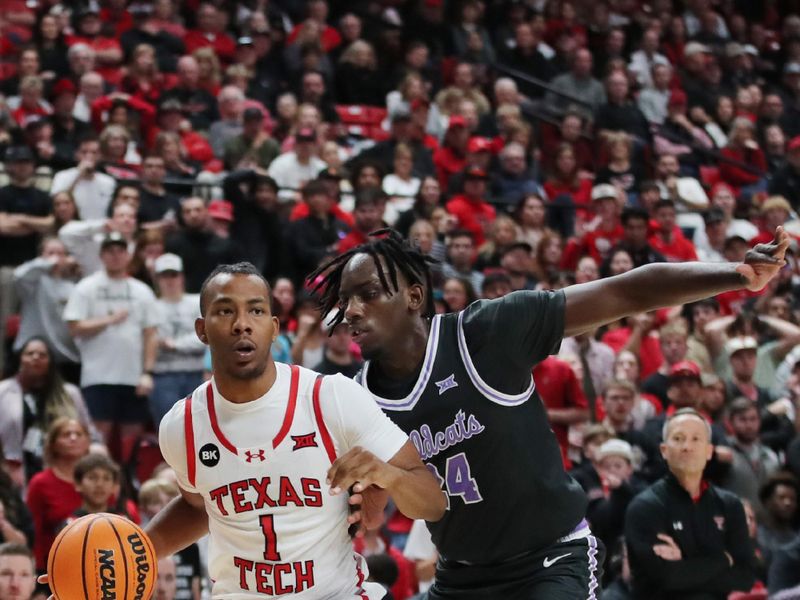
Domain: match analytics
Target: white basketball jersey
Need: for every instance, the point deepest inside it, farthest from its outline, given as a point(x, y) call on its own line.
point(275, 529)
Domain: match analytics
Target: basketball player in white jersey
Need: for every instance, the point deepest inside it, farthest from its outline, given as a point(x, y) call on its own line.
point(265, 454)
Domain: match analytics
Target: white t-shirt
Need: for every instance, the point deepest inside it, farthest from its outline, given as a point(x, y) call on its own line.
point(114, 356)
point(401, 196)
point(92, 196)
point(289, 173)
point(262, 477)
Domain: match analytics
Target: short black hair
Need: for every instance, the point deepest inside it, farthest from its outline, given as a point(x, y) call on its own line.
point(460, 233)
point(315, 187)
point(240, 268)
point(634, 212)
point(399, 255)
point(663, 202)
point(265, 180)
point(374, 196)
point(741, 405)
point(773, 481)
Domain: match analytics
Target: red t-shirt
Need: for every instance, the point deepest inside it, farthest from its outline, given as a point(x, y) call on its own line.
point(559, 388)
point(447, 163)
point(222, 43)
point(301, 211)
point(473, 215)
point(678, 250)
point(111, 74)
point(51, 501)
point(351, 240)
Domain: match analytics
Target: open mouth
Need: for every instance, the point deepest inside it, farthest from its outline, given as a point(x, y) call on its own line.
point(244, 349)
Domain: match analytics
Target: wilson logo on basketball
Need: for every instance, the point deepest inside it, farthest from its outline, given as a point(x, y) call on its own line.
point(308, 440)
point(142, 564)
point(107, 574)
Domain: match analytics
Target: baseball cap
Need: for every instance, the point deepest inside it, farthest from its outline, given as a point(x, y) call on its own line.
point(91, 8)
point(695, 48)
point(615, 447)
point(602, 191)
point(401, 114)
point(220, 209)
point(479, 144)
point(168, 262)
point(734, 239)
point(245, 40)
point(518, 246)
point(792, 68)
point(475, 173)
point(737, 344)
point(63, 86)
point(734, 49)
point(18, 154)
point(685, 368)
point(305, 134)
point(253, 114)
point(456, 121)
point(113, 238)
point(714, 215)
point(677, 98)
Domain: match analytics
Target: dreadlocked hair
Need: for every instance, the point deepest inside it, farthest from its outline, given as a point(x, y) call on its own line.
point(397, 253)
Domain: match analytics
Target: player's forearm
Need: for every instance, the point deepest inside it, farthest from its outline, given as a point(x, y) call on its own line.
point(89, 327)
point(177, 526)
point(644, 289)
point(417, 494)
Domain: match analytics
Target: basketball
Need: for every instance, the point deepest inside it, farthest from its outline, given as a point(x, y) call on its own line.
point(102, 557)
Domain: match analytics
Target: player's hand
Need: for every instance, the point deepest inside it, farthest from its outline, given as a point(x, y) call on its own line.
point(367, 509)
point(359, 469)
point(764, 261)
point(44, 580)
point(668, 550)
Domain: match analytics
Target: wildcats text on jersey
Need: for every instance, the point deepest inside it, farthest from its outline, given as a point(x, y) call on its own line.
point(429, 444)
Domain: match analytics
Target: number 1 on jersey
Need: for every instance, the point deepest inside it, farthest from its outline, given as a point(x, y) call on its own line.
point(458, 479)
point(271, 548)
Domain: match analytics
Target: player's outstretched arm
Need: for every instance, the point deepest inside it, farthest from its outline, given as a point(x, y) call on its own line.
point(657, 285)
point(179, 524)
point(413, 488)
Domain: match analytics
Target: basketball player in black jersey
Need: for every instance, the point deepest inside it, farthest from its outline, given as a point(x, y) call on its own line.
point(460, 385)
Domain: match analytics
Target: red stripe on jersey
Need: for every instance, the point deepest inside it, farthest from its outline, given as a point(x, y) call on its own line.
point(289, 416)
point(323, 431)
point(188, 433)
point(359, 583)
point(212, 415)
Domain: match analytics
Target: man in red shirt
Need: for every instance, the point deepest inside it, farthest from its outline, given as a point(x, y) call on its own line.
point(209, 33)
point(563, 399)
point(108, 51)
point(329, 37)
point(451, 157)
point(470, 208)
point(667, 238)
point(607, 231)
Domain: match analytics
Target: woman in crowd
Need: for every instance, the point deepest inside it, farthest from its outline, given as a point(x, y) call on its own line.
point(400, 185)
point(428, 198)
point(149, 246)
point(34, 398)
point(64, 210)
point(52, 496)
point(457, 294)
point(531, 219)
point(502, 233)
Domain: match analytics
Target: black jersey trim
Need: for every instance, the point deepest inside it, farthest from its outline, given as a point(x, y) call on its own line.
point(484, 388)
point(410, 401)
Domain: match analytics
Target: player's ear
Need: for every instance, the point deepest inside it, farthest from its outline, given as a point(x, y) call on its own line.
point(200, 329)
point(416, 296)
point(276, 328)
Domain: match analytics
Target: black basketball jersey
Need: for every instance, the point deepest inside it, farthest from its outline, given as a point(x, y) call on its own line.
point(494, 453)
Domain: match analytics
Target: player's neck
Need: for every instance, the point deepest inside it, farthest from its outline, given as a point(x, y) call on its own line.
point(241, 391)
point(406, 355)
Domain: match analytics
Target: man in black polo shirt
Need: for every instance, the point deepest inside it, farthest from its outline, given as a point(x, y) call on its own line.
point(686, 538)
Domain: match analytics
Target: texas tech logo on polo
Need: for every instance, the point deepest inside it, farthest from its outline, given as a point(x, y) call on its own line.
point(209, 455)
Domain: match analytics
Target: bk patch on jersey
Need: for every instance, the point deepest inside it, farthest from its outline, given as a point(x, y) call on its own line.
point(209, 455)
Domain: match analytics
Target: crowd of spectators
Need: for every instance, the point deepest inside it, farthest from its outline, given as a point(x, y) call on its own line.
point(523, 144)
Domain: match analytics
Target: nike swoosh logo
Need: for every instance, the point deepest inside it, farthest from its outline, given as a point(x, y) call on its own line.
point(549, 562)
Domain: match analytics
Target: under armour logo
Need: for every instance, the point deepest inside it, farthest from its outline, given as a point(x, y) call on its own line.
point(304, 441)
point(677, 526)
point(446, 384)
point(260, 455)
